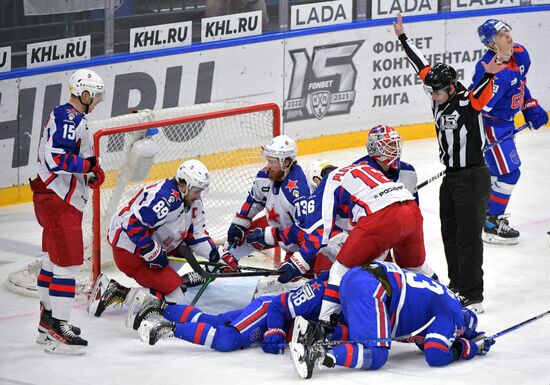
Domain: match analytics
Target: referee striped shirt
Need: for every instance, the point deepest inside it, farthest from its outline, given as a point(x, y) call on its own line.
point(458, 122)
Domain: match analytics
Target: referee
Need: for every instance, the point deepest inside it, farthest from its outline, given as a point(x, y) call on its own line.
point(465, 188)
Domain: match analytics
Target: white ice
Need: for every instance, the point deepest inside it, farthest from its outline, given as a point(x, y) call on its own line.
point(517, 287)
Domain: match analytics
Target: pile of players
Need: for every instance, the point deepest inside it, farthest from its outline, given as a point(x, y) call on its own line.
point(357, 229)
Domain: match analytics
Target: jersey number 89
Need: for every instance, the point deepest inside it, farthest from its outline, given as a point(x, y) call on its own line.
point(161, 209)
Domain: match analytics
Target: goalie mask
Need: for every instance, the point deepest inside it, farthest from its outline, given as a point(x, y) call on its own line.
point(195, 174)
point(384, 145)
point(87, 80)
point(470, 323)
point(489, 29)
point(281, 147)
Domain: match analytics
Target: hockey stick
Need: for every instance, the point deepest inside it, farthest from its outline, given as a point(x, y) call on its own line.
point(430, 180)
point(486, 148)
point(213, 264)
point(520, 325)
point(195, 265)
point(328, 344)
point(501, 140)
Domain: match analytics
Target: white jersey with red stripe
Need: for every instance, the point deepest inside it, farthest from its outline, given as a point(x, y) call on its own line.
point(276, 198)
point(350, 193)
point(65, 144)
point(158, 213)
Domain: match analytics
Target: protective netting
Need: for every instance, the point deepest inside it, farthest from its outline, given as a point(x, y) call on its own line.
point(226, 137)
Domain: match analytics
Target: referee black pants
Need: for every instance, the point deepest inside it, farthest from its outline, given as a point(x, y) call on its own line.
point(462, 207)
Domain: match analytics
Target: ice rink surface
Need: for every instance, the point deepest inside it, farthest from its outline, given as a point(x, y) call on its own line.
point(517, 287)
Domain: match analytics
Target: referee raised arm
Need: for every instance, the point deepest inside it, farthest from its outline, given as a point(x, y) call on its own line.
point(466, 184)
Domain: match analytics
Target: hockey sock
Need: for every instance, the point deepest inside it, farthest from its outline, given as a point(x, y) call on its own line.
point(182, 313)
point(356, 356)
point(62, 293)
point(501, 190)
point(43, 286)
point(223, 339)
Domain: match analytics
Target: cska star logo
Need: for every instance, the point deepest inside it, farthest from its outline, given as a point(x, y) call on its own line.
point(292, 184)
point(176, 194)
point(272, 215)
point(316, 286)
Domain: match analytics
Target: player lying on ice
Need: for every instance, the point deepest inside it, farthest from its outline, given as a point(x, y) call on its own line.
point(382, 302)
point(449, 336)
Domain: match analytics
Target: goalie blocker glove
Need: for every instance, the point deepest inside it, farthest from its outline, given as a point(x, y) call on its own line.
point(534, 114)
point(154, 256)
point(294, 267)
point(262, 239)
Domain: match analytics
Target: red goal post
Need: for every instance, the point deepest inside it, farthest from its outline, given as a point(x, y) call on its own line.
point(226, 137)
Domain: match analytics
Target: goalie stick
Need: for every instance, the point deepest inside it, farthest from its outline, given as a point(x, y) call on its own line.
point(213, 264)
point(486, 148)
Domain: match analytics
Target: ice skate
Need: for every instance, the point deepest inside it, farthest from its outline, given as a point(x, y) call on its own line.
point(44, 326)
point(106, 293)
point(142, 308)
point(63, 340)
point(151, 331)
point(305, 351)
point(497, 230)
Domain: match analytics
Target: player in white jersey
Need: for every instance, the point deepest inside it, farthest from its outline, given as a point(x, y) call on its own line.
point(152, 226)
point(67, 168)
point(382, 215)
point(276, 189)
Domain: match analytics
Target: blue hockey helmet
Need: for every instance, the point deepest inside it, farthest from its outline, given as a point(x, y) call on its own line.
point(470, 323)
point(489, 29)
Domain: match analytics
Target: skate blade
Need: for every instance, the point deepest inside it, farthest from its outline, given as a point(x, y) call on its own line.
point(42, 338)
point(145, 331)
point(135, 301)
point(97, 292)
point(496, 240)
point(56, 347)
point(297, 352)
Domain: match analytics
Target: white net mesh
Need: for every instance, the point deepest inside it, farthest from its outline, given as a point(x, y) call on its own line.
point(229, 145)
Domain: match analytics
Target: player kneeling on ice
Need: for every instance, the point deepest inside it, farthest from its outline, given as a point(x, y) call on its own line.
point(381, 300)
point(152, 226)
point(266, 319)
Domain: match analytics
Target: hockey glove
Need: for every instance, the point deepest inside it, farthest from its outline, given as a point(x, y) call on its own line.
point(231, 262)
point(274, 341)
point(154, 256)
point(294, 267)
point(484, 345)
point(464, 349)
point(262, 239)
point(534, 114)
point(98, 178)
point(235, 234)
point(214, 256)
point(89, 164)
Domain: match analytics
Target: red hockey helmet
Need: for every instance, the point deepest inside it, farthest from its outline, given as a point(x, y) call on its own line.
point(384, 145)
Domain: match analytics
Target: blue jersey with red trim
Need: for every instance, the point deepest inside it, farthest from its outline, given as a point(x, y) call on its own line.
point(509, 87)
point(65, 144)
point(415, 299)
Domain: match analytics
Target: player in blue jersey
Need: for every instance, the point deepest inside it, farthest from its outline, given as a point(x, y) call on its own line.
point(154, 224)
point(381, 302)
point(266, 319)
point(274, 192)
point(67, 169)
point(510, 95)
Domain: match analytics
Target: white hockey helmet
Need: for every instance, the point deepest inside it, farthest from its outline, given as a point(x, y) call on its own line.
point(194, 173)
point(87, 80)
point(314, 170)
point(281, 147)
point(384, 144)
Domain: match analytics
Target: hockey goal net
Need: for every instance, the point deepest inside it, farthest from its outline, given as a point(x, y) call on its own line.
point(148, 146)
